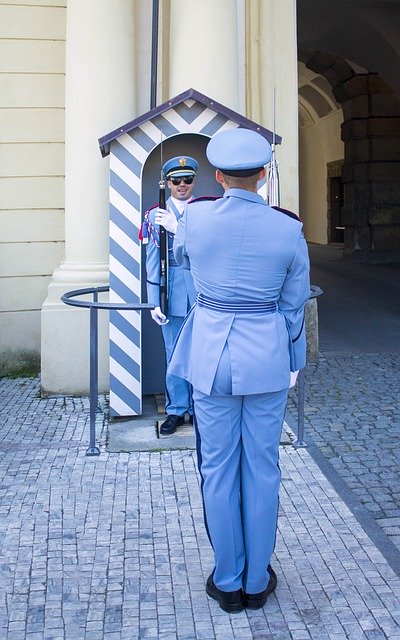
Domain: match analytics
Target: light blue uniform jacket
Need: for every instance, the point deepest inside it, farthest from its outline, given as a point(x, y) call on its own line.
point(181, 290)
point(240, 249)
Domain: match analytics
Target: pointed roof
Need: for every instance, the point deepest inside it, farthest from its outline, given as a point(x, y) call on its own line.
point(190, 94)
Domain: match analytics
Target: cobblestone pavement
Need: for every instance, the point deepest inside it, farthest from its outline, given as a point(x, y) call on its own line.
point(113, 547)
point(352, 413)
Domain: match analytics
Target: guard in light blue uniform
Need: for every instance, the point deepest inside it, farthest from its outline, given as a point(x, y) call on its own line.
point(179, 173)
point(237, 347)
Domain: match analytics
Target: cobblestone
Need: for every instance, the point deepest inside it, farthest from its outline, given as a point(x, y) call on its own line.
point(114, 547)
point(358, 426)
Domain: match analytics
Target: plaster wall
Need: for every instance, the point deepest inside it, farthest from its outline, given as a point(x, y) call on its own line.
point(319, 144)
point(32, 70)
point(100, 95)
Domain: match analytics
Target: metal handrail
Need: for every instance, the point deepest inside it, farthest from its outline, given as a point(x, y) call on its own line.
point(94, 306)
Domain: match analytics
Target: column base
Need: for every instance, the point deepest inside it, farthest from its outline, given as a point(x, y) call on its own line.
point(65, 334)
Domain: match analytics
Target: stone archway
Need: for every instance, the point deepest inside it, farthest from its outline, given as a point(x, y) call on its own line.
point(371, 170)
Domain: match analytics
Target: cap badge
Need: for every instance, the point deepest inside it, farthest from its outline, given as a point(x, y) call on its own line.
point(182, 162)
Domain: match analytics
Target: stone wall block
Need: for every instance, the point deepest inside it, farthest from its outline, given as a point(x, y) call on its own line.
point(386, 237)
point(363, 236)
point(349, 238)
point(333, 76)
point(349, 194)
point(356, 129)
point(348, 216)
point(361, 215)
point(354, 216)
point(384, 171)
point(340, 93)
point(356, 86)
point(355, 172)
point(385, 194)
point(384, 105)
point(347, 173)
point(358, 150)
point(386, 149)
point(362, 192)
point(357, 107)
point(320, 62)
point(376, 84)
point(383, 216)
point(361, 171)
point(384, 127)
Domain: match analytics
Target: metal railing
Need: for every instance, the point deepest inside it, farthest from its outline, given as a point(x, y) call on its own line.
point(94, 306)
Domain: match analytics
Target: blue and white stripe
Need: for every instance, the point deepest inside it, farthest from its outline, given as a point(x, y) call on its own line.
point(128, 153)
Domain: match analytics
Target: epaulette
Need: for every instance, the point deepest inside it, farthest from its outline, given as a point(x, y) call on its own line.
point(204, 199)
point(287, 213)
point(153, 206)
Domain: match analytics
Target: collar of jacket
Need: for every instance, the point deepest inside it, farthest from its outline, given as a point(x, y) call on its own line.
point(244, 195)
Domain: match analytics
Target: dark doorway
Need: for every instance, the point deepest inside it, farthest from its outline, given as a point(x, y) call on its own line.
point(335, 226)
point(190, 144)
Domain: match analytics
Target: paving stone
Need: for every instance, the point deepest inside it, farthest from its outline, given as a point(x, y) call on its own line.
point(115, 547)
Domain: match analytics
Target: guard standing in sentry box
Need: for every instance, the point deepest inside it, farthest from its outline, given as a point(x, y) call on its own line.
point(180, 175)
point(238, 344)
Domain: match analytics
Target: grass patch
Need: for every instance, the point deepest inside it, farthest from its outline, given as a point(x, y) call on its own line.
point(22, 373)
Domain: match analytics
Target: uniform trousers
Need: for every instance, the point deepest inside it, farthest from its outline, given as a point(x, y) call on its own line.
point(238, 455)
point(178, 392)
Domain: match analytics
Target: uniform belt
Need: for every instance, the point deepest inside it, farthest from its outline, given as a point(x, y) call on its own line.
point(236, 307)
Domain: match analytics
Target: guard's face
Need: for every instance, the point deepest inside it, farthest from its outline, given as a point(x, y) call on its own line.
point(180, 189)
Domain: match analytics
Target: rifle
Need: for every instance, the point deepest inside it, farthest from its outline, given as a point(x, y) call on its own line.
point(163, 249)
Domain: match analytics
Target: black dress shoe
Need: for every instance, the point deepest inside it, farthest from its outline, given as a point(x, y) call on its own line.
point(229, 601)
point(170, 424)
point(258, 600)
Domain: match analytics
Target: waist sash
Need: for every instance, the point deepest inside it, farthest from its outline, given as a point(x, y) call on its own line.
point(236, 307)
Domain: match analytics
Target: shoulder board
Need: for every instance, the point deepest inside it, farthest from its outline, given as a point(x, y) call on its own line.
point(204, 199)
point(153, 206)
point(287, 213)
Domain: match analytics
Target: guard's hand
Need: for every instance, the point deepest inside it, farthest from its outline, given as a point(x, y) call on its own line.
point(167, 219)
point(158, 316)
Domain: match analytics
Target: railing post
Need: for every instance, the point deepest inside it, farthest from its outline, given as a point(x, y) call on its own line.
point(300, 442)
point(94, 306)
point(92, 450)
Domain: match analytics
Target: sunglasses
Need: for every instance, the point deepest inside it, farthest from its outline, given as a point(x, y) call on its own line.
point(186, 180)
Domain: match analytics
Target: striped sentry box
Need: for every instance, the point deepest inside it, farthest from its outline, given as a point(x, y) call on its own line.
point(129, 148)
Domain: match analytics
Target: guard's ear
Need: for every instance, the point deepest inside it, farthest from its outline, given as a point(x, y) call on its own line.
point(219, 177)
point(262, 174)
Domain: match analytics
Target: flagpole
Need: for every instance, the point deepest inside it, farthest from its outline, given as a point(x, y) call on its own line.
point(273, 195)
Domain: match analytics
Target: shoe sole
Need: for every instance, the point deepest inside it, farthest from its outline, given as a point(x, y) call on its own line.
point(258, 604)
point(228, 608)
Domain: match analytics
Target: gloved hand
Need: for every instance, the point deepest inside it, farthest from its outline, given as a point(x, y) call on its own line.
point(167, 219)
point(158, 316)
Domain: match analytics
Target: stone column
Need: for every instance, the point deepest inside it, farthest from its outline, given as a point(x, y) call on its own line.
point(271, 53)
point(203, 49)
point(371, 172)
point(100, 72)
point(265, 43)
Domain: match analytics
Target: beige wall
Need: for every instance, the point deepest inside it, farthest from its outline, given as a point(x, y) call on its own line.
point(32, 102)
point(32, 66)
point(320, 143)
